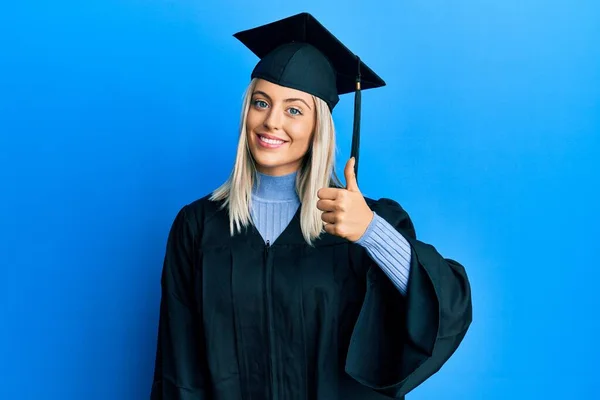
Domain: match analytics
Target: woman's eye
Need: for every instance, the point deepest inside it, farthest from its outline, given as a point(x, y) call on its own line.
point(260, 104)
point(295, 111)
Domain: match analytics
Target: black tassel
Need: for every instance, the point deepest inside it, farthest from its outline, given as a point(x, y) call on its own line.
point(356, 131)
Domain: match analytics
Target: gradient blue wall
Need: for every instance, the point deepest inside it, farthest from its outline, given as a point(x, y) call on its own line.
point(113, 114)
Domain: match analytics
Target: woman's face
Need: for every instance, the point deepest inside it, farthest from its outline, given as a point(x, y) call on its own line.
point(280, 127)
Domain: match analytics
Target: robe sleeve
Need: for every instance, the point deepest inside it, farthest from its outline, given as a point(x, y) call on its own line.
point(180, 364)
point(400, 341)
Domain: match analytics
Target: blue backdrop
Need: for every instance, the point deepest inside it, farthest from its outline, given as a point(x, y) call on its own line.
point(113, 114)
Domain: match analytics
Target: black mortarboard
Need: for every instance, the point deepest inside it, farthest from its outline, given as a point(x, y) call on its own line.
point(300, 53)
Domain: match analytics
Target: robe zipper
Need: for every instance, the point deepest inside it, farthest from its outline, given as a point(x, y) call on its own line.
point(268, 289)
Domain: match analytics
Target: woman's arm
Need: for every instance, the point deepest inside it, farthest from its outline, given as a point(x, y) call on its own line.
point(389, 249)
point(400, 340)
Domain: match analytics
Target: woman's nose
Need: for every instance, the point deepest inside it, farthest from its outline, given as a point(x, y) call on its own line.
point(274, 119)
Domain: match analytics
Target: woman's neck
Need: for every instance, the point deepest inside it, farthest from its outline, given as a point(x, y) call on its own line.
point(280, 188)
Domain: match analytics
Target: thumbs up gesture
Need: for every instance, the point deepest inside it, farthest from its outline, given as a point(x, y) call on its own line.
point(345, 211)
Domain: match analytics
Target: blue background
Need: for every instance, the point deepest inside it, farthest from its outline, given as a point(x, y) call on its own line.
point(113, 114)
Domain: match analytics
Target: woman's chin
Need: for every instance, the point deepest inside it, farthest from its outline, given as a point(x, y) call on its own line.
point(275, 167)
point(269, 168)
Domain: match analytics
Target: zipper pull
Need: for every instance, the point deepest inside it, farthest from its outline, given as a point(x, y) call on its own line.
point(267, 246)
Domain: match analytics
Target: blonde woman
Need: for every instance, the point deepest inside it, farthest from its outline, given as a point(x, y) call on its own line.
point(285, 283)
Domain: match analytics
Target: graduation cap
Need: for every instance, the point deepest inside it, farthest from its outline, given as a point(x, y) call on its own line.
point(300, 53)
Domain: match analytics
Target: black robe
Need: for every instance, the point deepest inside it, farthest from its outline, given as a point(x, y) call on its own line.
point(243, 320)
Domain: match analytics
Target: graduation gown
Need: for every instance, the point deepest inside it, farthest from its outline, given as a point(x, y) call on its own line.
point(241, 319)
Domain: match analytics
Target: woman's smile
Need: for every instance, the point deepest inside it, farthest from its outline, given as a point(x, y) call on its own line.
point(270, 142)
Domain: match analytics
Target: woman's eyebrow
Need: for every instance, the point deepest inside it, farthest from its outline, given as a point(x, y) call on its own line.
point(262, 93)
point(297, 99)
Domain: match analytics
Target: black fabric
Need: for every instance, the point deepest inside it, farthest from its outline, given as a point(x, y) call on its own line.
point(243, 320)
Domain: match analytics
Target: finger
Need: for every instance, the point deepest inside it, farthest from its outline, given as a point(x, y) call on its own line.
point(329, 229)
point(334, 229)
point(326, 205)
point(329, 217)
point(328, 193)
point(351, 183)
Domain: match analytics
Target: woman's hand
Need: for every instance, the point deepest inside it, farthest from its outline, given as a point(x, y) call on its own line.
point(345, 211)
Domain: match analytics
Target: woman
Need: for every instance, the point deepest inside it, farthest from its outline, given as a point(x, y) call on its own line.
point(285, 284)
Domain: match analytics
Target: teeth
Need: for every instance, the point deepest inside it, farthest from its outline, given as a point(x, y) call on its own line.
point(271, 141)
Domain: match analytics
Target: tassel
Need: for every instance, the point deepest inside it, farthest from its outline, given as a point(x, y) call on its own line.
point(356, 130)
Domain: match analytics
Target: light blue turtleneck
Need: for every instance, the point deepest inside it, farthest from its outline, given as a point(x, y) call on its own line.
point(275, 201)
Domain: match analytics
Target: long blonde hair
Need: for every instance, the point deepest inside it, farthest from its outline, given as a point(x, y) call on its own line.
point(317, 171)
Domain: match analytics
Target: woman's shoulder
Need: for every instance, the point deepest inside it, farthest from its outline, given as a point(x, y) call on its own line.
point(204, 208)
point(391, 210)
point(386, 203)
point(199, 213)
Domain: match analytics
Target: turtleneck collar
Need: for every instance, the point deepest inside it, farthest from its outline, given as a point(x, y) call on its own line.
point(280, 188)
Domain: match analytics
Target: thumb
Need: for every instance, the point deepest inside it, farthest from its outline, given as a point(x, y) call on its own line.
point(351, 183)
